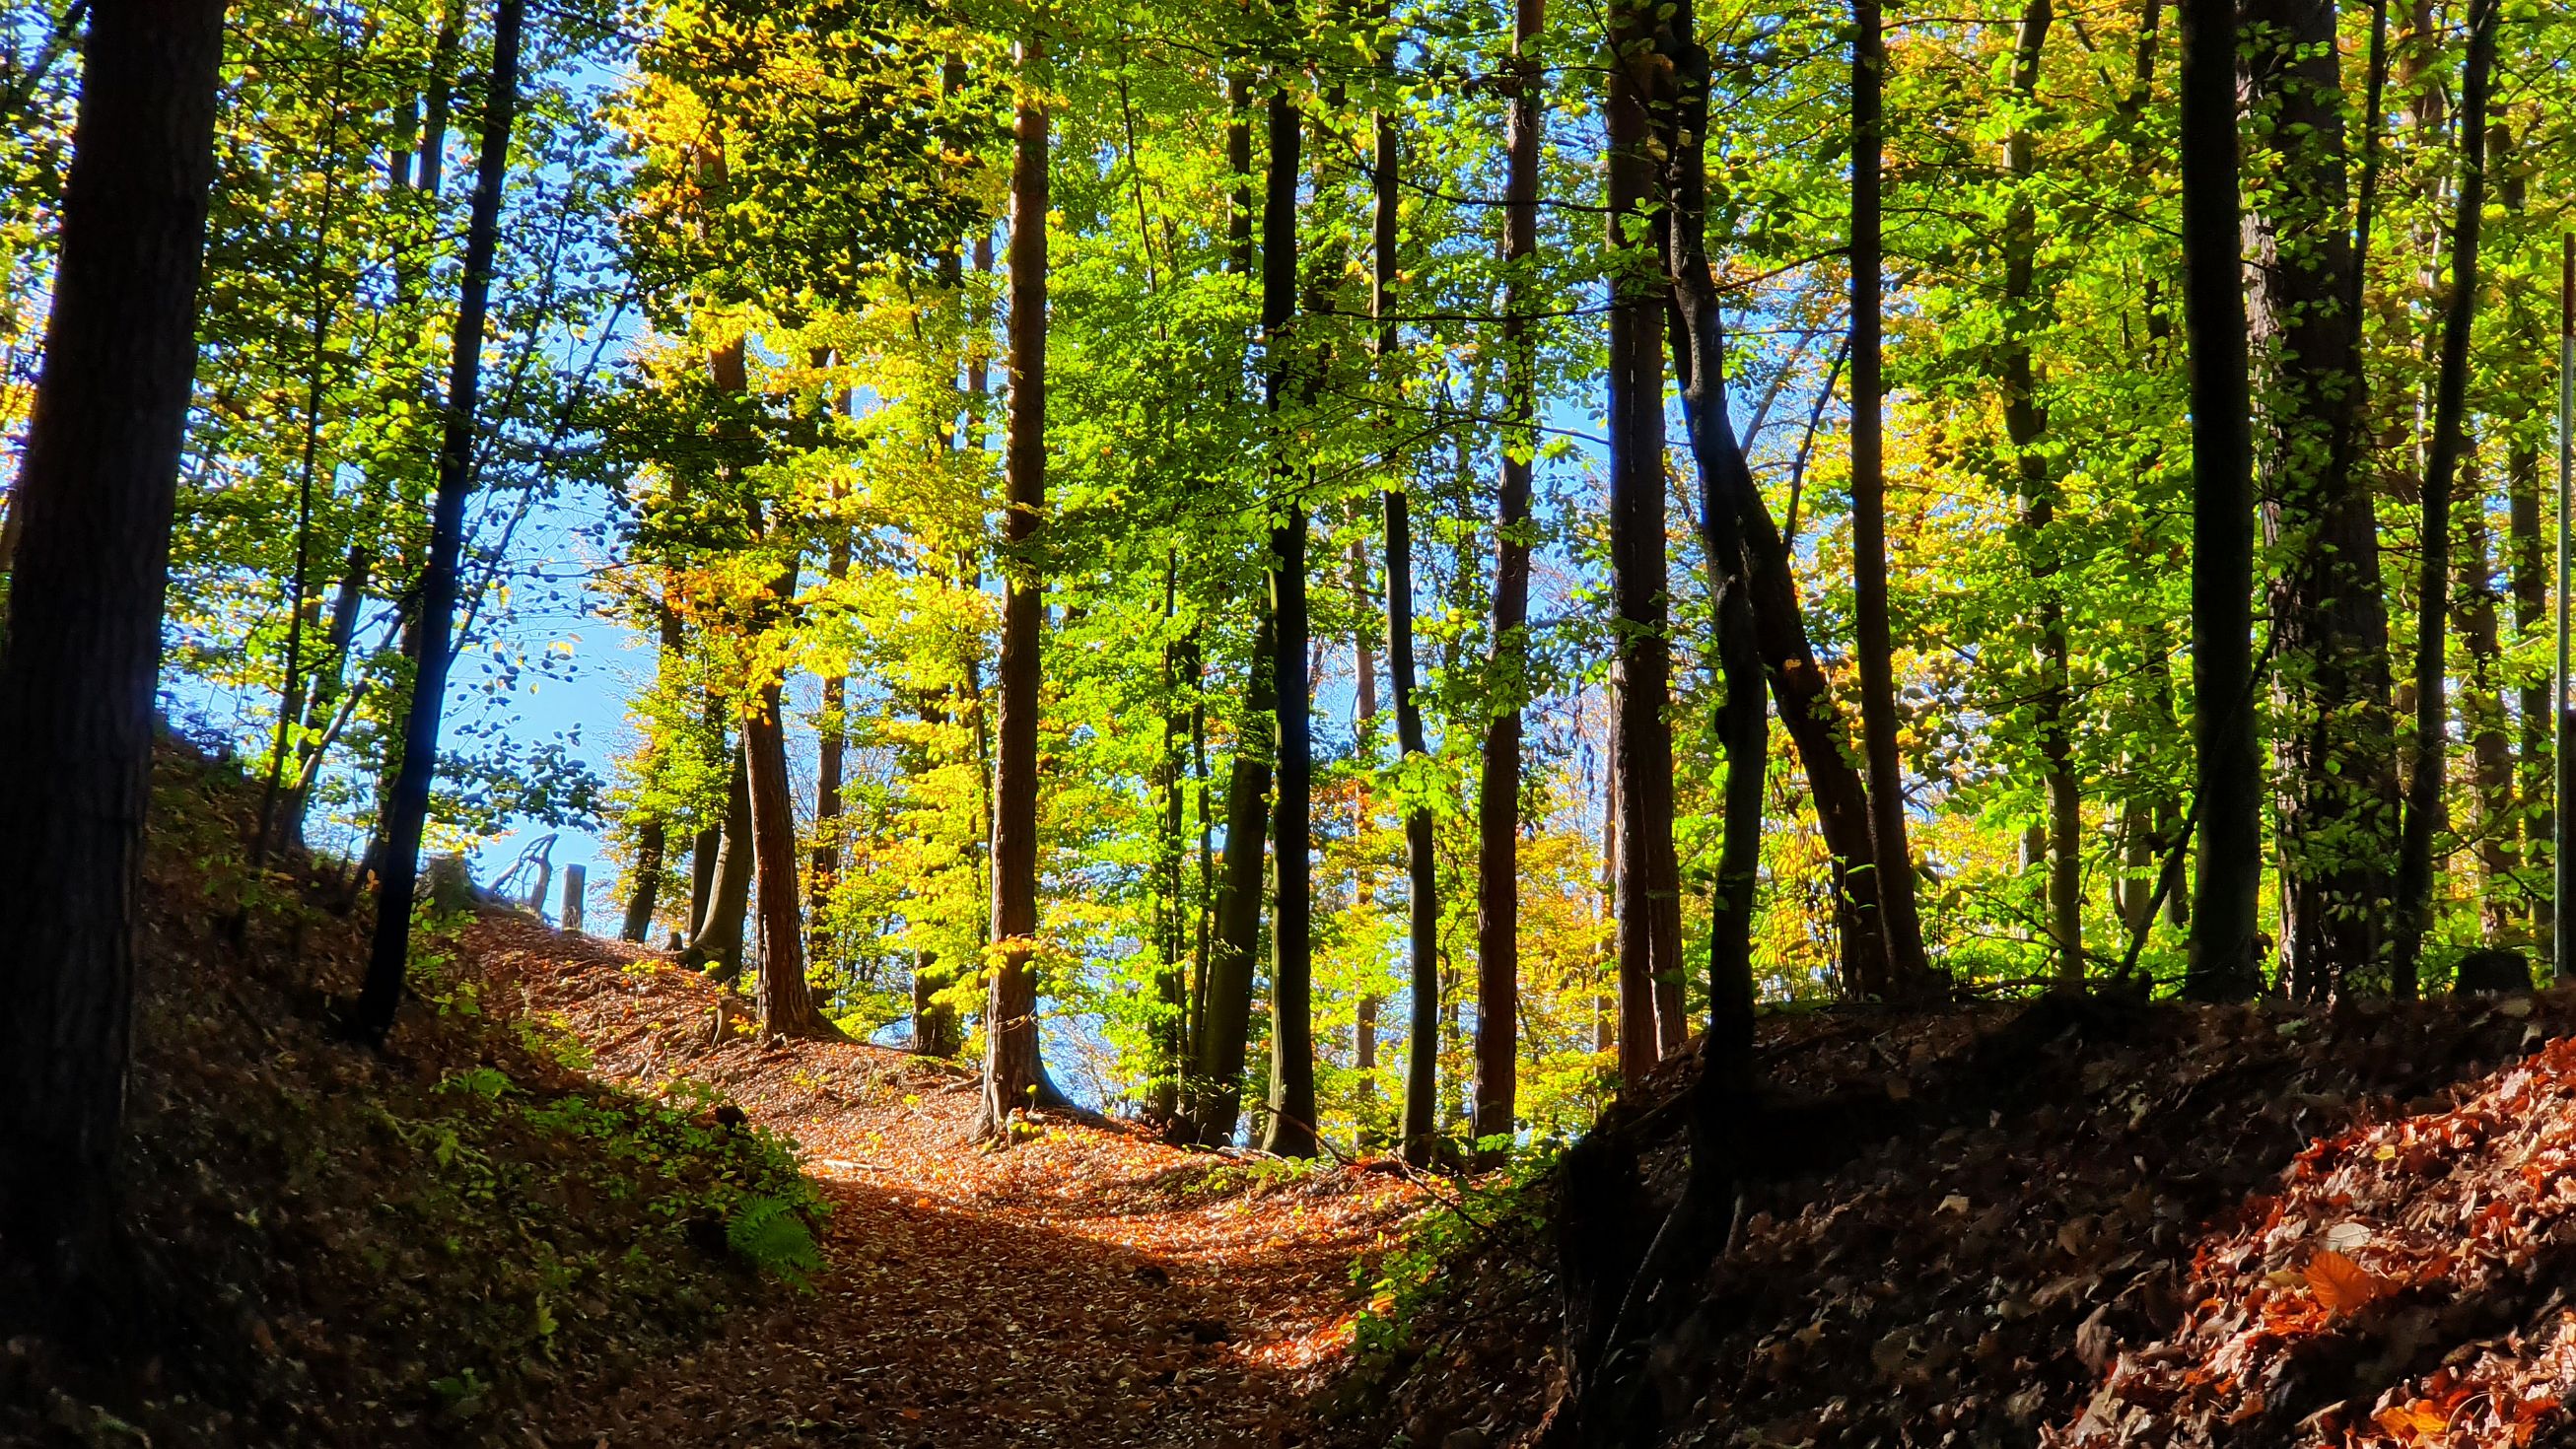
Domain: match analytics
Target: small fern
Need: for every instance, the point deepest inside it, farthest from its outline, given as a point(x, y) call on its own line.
point(767, 1234)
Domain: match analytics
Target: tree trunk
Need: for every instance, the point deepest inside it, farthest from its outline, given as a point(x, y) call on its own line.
point(1171, 978)
point(2424, 803)
point(1014, 1077)
point(2025, 424)
point(1908, 970)
point(329, 683)
point(1641, 668)
point(1290, 1131)
point(783, 997)
point(1498, 783)
point(2335, 740)
point(716, 937)
point(93, 504)
point(1226, 1024)
point(2482, 710)
point(1363, 813)
point(408, 814)
point(2528, 565)
point(2222, 560)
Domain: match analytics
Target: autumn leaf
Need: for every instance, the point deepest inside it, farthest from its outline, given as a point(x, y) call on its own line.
point(2415, 1422)
point(2342, 1285)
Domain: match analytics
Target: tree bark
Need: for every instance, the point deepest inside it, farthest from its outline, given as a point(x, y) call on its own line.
point(2336, 742)
point(1226, 1025)
point(716, 937)
point(1498, 783)
point(1014, 1076)
point(1290, 1131)
point(2482, 711)
point(2424, 803)
point(2222, 567)
point(1641, 668)
point(81, 658)
point(781, 994)
point(1908, 971)
point(2528, 567)
point(408, 812)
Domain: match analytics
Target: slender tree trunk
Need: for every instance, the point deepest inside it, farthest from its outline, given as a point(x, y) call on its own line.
point(1641, 667)
point(1290, 1131)
point(1907, 968)
point(2482, 710)
point(2528, 566)
point(1364, 814)
point(1498, 784)
point(2025, 425)
point(2424, 803)
point(1014, 1076)
point(2222, 567)
point(2336, 741)
point(1172, 978)
point(716, 937)
point(831, 732)
point(93, 504)
point(408, 814)
point(782, 996)
point(1226, 1025)
point(330, 684)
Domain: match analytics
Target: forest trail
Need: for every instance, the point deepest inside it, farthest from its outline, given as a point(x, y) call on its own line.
point(1084, 1287)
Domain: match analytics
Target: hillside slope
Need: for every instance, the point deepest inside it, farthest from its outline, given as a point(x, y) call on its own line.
point(2081, 1224)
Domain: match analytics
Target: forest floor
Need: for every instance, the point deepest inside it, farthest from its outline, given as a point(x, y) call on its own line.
point(1083, 1286)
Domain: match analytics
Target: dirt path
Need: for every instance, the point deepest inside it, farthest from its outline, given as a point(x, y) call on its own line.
point(1081, 1288)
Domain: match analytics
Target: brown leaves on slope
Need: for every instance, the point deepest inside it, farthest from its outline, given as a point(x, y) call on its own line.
point(2403, 1288)
point(1083, 1287)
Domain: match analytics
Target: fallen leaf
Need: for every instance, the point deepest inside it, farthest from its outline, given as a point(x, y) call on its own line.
point(2342, 1285)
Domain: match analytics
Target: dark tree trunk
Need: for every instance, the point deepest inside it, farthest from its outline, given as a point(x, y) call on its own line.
point(330, 686)
point(1908, 971)
point(2335, 740)
point(1498, 784)
point(1014, 1076)
point(1290, 1131)
point(2222, 565)
point(1226, 1025)
point(1641, 668)
point(408, 812)
point(783, 997)
point(1419, 1130)
point(81, 659)
point(2424, 804)
point(831, 734)
point(1172, 976)
point(2025, 312)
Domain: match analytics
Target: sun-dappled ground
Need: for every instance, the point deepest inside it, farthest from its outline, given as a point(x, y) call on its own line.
point(1084, 1286)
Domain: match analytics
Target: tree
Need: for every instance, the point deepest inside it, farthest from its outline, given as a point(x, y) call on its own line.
point(2229, 807)
point(1649, 944)
point(407, 811)
point(1892, 859)
point(80, 661)
point(1014, 1075)
point(1498, 794)
point(1291, 1128)
point(2424, 805)
point(2336, 745)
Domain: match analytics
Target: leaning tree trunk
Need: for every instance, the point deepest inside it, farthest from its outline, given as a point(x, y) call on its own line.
point(2336, 744)
point(2424, 804)
point(2528, 568)
point(96, 490)
point(1014, 1077)
point(1908, 971)
point(2222, 530)
point(1498, 784)
point(408, 808)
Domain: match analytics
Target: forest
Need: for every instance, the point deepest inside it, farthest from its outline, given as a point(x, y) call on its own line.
point(1447, 595)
